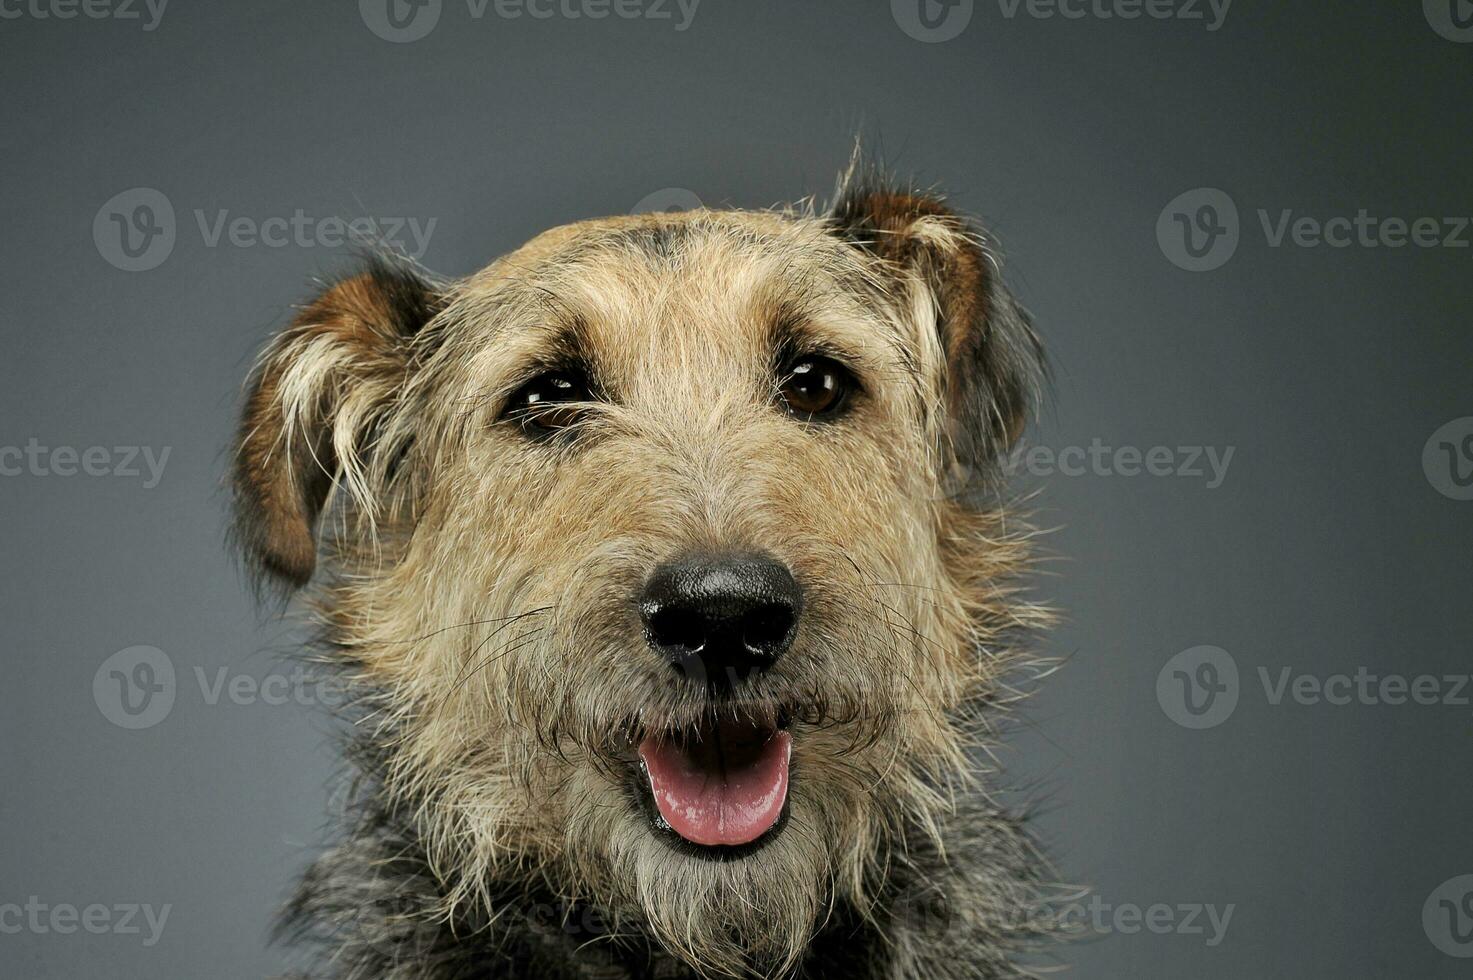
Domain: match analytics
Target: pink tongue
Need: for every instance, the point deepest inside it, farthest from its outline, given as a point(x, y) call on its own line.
point(725, 786)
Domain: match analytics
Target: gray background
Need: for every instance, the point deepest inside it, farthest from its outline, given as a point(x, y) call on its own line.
point(1324, 549)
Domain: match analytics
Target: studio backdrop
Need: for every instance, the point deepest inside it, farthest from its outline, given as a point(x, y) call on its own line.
point(1242, 228)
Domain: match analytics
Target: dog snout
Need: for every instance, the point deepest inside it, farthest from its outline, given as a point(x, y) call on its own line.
point(721, 618)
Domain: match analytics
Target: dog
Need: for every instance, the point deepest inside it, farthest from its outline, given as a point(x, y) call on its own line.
point(670, 566)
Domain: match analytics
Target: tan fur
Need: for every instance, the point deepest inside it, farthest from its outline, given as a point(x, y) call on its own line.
point(483, 583)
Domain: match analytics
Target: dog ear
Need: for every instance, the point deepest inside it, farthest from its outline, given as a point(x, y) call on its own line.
point(312, 410)
point(994, 361)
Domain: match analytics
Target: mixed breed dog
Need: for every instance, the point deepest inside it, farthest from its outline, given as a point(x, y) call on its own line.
point(670, 563)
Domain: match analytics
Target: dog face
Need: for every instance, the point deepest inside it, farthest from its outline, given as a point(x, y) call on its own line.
point(648, 544)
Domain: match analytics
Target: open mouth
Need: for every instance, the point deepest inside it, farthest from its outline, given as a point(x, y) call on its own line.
point(722, 783)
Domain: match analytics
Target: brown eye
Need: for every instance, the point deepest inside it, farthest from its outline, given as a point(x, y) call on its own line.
point(816, 388)
point(549, 402)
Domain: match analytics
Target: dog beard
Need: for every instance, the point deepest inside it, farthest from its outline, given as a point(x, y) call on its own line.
point(751, 913)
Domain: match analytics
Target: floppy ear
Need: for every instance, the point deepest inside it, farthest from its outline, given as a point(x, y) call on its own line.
point(994, 361)
point(313, 408)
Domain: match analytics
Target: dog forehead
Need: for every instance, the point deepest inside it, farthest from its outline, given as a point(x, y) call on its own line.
point(716, 282)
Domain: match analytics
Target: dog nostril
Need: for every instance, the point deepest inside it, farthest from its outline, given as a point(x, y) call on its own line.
point(720, 617)
point(676, 627)
point(765, 628)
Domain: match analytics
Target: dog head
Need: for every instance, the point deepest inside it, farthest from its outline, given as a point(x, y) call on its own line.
point(668, 546)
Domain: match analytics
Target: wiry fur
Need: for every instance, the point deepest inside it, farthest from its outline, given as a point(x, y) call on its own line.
point(476, 594)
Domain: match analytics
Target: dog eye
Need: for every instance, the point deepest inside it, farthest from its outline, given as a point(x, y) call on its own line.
point(816, 388)
point(549, 401)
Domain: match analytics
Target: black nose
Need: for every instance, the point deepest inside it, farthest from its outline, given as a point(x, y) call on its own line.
point(721, 618)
